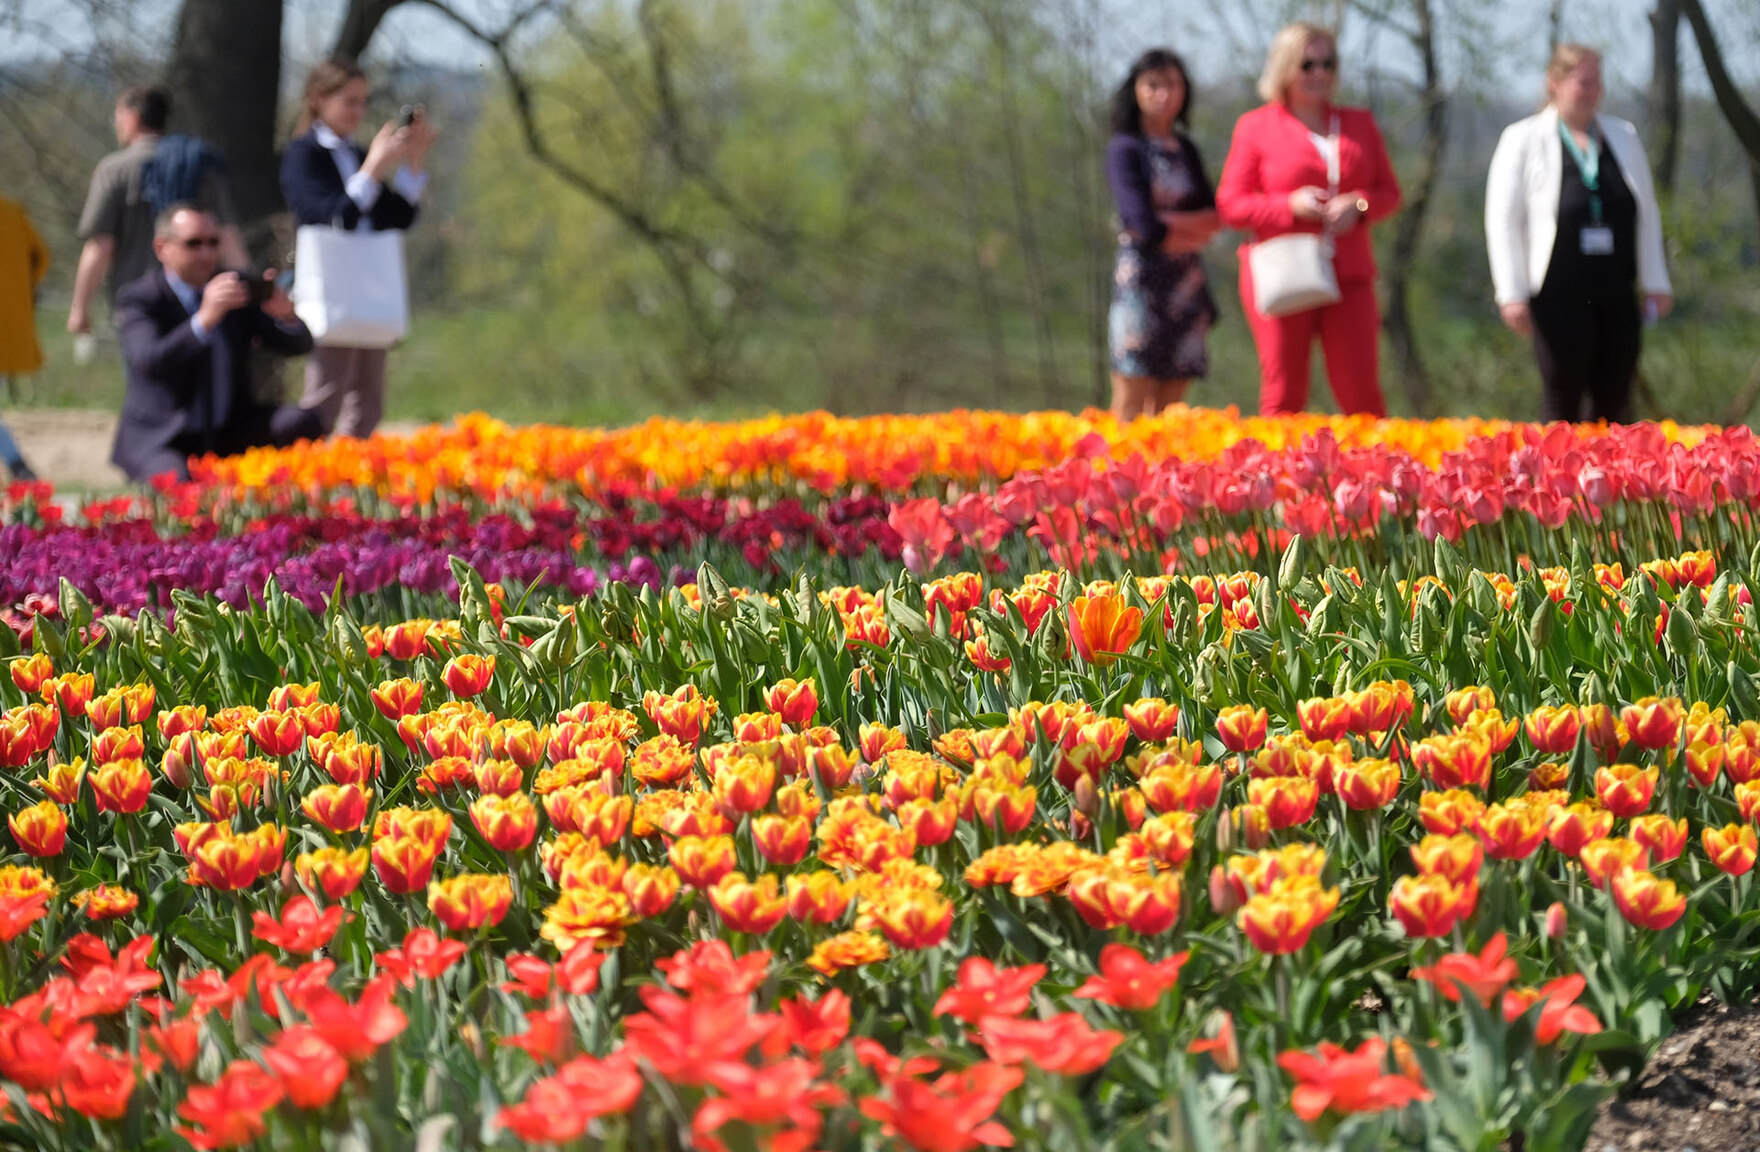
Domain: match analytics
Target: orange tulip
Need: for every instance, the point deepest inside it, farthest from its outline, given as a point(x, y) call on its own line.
point(1241, 727)
point(398, 698)
point(39, 830)
point(1102, 628)
point(1731, 848)
point(70, 692)
point(107, 903)
point(650, 889)
point(794, 700)
point(1604, 859)
point(1652, 722)
point(104, 712)
point(1741, 751)
point(819, 897)
point(1381, 707)
point(467, 675)
point(404, 863)
point(508, 823)
point(121, 786)
point(1446, 813)
point(61, 783)
point(753, 906)
point(701, 860)
point(1463, 702)
point(781, 839)
point(1324, 717)
point(1286, 800)
point(470, 901)
point(1280, 921)
point(1460, 760)
point(335, 872)
point(1647, 901)
point(278, 733)
point(1625, 789)
point(1151, 719)
point(745, 785)
point(1574, 826)
point(337, 807)
point(1366, 785)
point(1512, 831)
point(29, 672)
point(912, 917)
point(1663, 839)
point(1430, 906)
point(1457, 858)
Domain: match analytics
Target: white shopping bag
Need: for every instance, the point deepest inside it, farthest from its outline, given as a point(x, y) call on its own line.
point(348, 287)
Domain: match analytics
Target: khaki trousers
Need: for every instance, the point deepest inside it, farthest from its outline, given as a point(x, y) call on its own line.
point(346, 388)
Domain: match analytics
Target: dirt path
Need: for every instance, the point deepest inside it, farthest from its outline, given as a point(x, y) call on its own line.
point(70, 447)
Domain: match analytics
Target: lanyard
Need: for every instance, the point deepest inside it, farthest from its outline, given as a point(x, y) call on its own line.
point(1588, 163)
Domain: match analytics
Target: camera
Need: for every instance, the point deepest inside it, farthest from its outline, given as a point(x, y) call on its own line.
point(261, 284)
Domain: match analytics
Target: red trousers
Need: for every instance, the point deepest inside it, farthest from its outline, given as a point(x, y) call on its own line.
point(1350, 335)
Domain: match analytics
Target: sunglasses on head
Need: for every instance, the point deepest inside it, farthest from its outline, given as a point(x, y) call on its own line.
point(201, 242)
point(1327, 64)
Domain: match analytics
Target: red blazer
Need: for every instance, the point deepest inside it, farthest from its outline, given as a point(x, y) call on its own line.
point(1271, 156)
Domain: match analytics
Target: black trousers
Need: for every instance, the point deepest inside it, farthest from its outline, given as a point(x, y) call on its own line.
point(263, 427)
point(1587, 346)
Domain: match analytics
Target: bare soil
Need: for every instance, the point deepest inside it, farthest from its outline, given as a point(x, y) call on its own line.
point(1700, 1094)
point(70, 447)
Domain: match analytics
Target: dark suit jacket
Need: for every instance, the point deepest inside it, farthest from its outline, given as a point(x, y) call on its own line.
point(170, 371)
point(315, 193)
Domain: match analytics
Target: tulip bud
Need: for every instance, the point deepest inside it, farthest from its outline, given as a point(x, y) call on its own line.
point(1555, 921)
point(1223, 897)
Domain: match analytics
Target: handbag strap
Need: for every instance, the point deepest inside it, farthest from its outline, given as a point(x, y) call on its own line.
point(1332, 158)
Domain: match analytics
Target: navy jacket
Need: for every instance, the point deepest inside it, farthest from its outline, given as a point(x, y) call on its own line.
point(315, 194)
point(170, 395)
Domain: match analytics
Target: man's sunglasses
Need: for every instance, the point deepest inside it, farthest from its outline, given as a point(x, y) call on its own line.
point(201, 242)
point(1329, 64)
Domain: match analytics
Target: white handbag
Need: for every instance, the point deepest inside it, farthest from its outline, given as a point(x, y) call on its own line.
point(348, 287)
point(1293, 273)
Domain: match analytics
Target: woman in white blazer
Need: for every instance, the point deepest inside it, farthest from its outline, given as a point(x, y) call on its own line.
point(1575, 235)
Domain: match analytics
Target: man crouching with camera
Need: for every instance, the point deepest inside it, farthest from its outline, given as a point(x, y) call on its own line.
point(187, 330)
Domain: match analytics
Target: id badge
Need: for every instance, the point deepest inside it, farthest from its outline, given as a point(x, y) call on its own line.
point(1597, 241)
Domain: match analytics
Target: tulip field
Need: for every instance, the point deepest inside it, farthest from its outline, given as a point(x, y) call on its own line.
point(942, 782)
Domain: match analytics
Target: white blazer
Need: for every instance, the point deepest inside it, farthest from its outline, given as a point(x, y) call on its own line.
point(1521, 205)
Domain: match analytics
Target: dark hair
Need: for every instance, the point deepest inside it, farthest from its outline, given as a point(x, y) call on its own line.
point(150, 104)
point(1127, 118)
point(325, 80)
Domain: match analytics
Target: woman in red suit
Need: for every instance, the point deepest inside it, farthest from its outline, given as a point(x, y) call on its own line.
point(1275, 182)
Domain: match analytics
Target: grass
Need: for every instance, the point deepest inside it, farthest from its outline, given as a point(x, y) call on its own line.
point(532, 366)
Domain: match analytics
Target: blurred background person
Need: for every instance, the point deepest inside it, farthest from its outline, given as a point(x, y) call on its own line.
point(24, 260)
point(131, 187)
point(1274, 183)
point(1574, 235)
point(328, 179)
point(1161, 305)
point(187, 330)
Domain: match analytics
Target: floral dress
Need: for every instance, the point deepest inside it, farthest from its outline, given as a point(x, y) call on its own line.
point(1161, 305)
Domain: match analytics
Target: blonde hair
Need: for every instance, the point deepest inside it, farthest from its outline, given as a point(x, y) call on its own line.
point(325, 80)
point(1565, 59)
point(1283, 61)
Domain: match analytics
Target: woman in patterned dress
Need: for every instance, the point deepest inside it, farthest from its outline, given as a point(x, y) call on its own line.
point(1161, 306)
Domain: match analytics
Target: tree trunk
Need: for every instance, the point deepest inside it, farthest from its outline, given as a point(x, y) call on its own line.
point(1665, 92)
point(1743, 120)
point(358, 25)
point(1410, 231)
point(225, 81)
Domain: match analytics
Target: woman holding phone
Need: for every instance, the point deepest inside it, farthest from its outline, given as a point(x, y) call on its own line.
point(328, 179)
